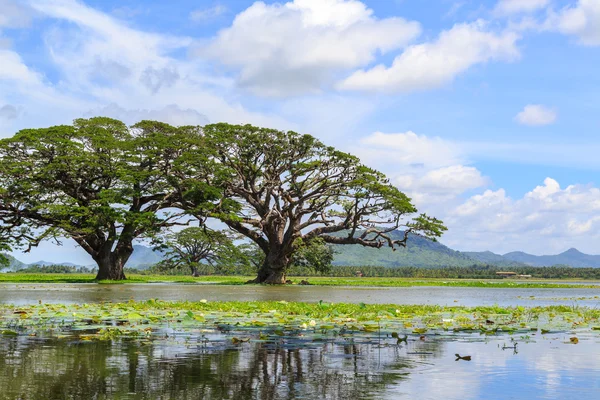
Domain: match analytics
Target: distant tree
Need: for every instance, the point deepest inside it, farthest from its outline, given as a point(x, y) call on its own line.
point(194, 246)
point(3, 259)
point(97, 182)
point(292, 187)
point(315, 255)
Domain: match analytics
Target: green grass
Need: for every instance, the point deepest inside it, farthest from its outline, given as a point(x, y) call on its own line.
point(320, 281)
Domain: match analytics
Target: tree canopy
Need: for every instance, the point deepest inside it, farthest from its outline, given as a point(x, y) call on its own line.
point(292, 187)
point(104, 185)
point(98, 182)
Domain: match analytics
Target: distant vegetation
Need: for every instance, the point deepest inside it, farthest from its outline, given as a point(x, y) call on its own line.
point(55, 269)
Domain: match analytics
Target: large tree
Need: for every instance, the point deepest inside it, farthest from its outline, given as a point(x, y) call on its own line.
point(97, 182)
point(293, 188)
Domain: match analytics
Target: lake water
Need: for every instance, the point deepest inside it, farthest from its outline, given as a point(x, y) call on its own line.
point(373, 366)
point(548, 368)
point(21, 294)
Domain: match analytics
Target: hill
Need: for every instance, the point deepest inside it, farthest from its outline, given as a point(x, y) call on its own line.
point(489, 258)
point(420, 252)
point(571, 257)
point(143, 257)
point(13, 263)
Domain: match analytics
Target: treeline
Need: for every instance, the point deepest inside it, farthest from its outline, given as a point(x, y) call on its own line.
point(471, 272)
point(55, 269)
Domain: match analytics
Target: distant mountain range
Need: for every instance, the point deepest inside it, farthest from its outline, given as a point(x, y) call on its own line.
point(424, 253)
point(420, 252)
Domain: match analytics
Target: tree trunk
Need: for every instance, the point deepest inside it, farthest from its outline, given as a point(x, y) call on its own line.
point(111, 264)
point(273, 269)
point(195, 272)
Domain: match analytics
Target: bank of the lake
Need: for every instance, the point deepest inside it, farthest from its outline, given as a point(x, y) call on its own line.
point(317, 281)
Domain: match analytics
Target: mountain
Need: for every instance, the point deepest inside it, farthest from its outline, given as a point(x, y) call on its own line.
point(143, 257)
point(487, 257)
point(571, 257)
point(419, 252)
point(13, 263)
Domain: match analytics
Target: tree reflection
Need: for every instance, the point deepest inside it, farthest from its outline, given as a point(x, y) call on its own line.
point(32, 368)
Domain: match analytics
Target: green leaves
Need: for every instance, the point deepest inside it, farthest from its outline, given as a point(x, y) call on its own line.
point(292, 189)
point(98, 182)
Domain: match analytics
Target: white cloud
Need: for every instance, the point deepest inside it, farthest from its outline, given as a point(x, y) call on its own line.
point(204, 14)
point(99, 60)
point(536, 115)
point(409, 148)
point(14, 14)
point(441, 184)
point(430, 170)
point(508, 7)
point(12, 67)
point(431, 65)
point(299, 46)
point(550, 217)
point(581, 20)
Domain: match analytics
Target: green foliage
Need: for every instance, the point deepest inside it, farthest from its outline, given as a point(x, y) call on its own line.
point(55, 269)
point(291, 186)
point(197, 248)
point(98, 182)
point(315, 255)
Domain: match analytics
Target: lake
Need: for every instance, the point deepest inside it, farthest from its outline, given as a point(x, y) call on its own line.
point(32, 293)
point(212, 364)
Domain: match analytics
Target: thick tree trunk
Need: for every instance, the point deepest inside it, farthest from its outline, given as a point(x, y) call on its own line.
point(195, 272)
point(273, 269)
point(111, 264)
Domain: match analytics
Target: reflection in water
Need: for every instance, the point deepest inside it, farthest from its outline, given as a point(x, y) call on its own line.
point(58, 369)
point(549, 368)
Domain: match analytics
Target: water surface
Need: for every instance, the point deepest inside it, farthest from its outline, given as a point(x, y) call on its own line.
point(22, 294)
point(548, 367)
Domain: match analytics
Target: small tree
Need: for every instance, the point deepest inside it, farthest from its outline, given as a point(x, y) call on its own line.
point(292, 187)
point(97, 182)
point(192, 247)
point(315, 255)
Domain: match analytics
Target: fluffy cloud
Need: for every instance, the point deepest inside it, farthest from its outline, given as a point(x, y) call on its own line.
point(430, 65)
point(299, 46)
point(441, 184)
point(536, 115)
point(409, 148)
point(99, 60)
point(508, 7)
point(552, 218)
point(581, 20)
point(14, 14)
point(430, 170)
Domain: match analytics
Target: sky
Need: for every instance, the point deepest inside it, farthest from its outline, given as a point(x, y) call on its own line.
point(486, 113)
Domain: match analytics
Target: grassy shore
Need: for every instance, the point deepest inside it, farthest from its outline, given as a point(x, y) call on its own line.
point(320, 281)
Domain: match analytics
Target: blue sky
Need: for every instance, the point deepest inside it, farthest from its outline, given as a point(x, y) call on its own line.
point(485, 112)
